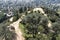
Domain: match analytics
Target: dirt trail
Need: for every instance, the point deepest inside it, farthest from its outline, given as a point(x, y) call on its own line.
point(17, 29)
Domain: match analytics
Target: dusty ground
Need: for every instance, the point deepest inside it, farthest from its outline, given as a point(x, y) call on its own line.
point(17, 30)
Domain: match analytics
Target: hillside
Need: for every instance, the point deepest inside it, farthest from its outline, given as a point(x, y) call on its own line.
point(29, 23)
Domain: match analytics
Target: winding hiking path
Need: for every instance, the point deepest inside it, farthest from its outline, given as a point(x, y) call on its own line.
point(17, 29)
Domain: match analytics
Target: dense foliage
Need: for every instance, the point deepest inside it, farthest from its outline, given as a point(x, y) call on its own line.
point(35, 26)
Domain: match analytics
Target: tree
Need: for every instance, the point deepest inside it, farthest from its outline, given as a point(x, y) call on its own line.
point(6, 34)
point(21, 10)
point(34, 24)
